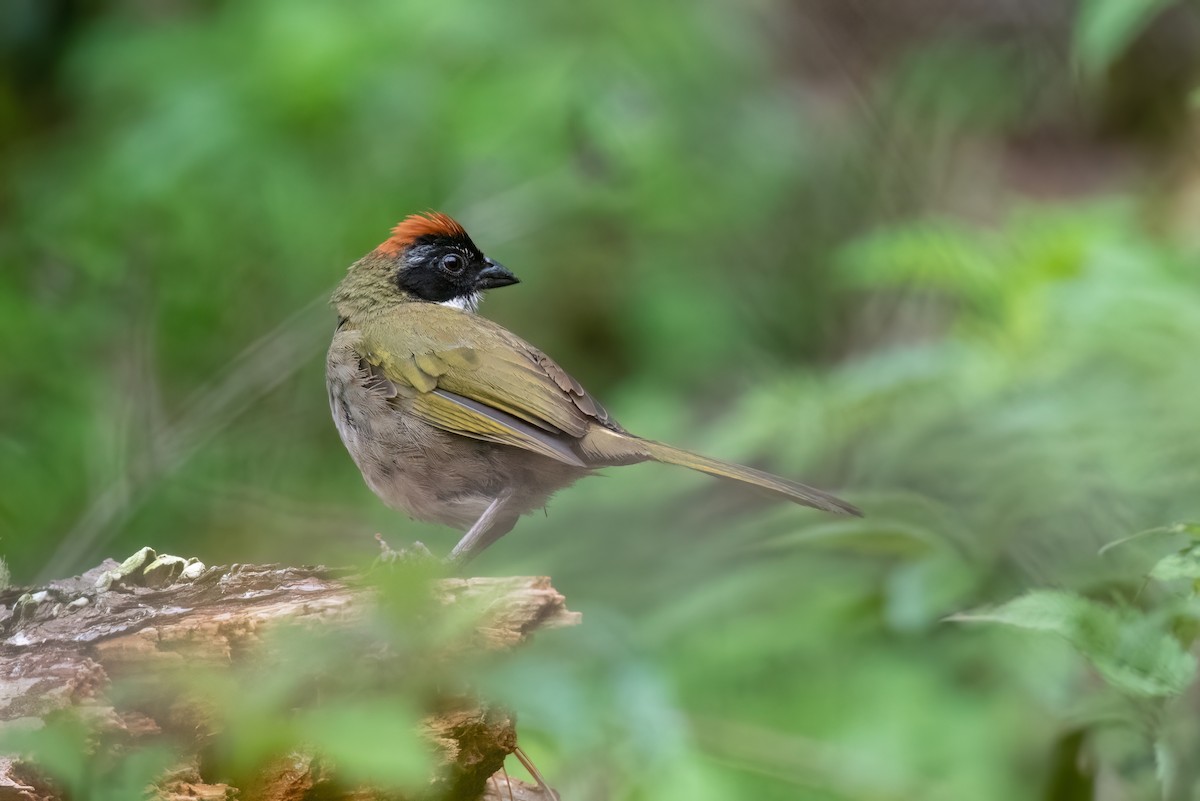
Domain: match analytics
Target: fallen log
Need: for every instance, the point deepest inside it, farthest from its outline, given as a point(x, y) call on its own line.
point(155, 622)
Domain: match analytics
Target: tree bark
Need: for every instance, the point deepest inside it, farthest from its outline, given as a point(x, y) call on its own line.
point(62, 646)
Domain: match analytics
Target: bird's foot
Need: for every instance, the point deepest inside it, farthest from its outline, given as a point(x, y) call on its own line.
point(413, 554)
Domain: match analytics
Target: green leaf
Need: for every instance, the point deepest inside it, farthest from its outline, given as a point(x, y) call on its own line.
point(1132, 652)
point(1184, 564)
point(376, 743)
point(133, 773)
point(59, 748)
point(66, 750)
point(1105, 28)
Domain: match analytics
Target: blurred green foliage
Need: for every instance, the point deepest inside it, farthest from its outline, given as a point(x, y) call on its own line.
point(1107, 27)
point(67, 755)
point(1143, 656)
point(845, 285)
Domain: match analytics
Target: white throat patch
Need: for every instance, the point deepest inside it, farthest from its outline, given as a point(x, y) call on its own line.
point(468, 303)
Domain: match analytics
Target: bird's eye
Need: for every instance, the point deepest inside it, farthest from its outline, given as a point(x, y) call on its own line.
point(453, 263)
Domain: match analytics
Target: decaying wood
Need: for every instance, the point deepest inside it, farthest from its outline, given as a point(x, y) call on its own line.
point(61, 647)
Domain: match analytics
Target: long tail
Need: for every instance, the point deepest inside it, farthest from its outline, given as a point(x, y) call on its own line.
point(617, 447)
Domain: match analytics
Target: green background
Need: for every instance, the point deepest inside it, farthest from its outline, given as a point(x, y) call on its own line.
point(941, 261)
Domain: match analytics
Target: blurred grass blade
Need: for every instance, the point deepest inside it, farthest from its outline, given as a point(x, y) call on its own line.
point(375, 742)
point(866, 536)
point(1149, 532)
point(800, 761)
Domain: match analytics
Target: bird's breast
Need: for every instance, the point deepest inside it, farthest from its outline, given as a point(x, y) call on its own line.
point(430, 474)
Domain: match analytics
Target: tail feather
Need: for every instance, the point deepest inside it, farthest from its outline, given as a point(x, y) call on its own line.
point(782, 487)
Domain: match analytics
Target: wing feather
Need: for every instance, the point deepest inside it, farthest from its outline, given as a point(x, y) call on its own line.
point(470, 418)
point(468, 375)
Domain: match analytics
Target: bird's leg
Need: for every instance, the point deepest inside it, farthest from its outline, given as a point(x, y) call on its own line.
point(491, 526)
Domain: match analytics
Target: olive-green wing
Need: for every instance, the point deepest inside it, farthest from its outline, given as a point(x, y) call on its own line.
point(453, 412)
point(465, 374)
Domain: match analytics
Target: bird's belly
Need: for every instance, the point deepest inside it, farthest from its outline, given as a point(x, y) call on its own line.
point(409, 464)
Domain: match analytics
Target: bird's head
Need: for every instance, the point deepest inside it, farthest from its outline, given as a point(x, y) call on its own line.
point(430, 257)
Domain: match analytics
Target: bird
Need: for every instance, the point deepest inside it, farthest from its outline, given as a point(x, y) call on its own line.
point(456, 420)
